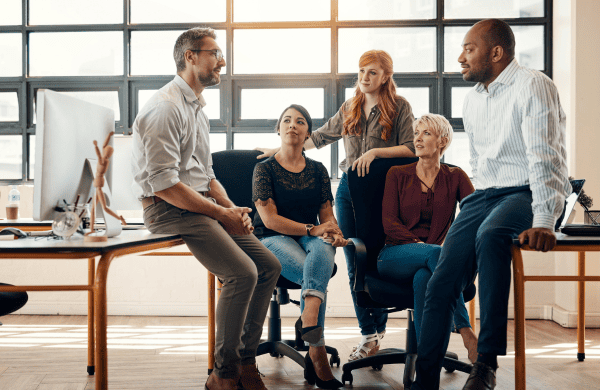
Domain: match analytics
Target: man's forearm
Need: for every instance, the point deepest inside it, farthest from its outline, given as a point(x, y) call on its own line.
point(217, 191)
point(184, 197)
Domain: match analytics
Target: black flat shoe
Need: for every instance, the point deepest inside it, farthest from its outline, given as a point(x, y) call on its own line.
point(311, 376)
point(311, 334)
point(482, 377)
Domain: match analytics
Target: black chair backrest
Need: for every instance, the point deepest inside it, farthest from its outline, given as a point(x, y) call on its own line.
point(234, 169)
point(367, 196)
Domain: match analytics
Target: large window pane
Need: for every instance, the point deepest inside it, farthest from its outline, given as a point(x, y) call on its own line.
point(11, 13)
point(269, 103)
point(458, 99)
point(529, 49)
point(75, 12)
point(282, 51)
point(11, 49)
point(76, 54)
point(212, 97)
point(9, 107)
point(108, 99)
point(248, 141)
point(413, 49)
point(458, 152)
point(31, 156)
point(280, 10)
point(417, 97)
point(11, 163)
point(152, 51)
point(218, 142)
point(178, 11)
point(481, 9)
point(386, 10)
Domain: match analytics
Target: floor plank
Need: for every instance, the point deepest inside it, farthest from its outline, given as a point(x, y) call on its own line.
point(170, 353)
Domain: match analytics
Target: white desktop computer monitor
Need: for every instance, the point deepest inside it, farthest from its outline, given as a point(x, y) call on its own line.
point(65, 130)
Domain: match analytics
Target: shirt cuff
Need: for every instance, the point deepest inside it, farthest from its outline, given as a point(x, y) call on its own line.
point(163, 181)
point(317, 140)
point(544, 221)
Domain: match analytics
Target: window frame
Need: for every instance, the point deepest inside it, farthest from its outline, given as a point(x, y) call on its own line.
point(440, 83)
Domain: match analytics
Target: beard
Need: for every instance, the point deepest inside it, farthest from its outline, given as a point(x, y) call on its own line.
point(209, 79)
point(482, 73)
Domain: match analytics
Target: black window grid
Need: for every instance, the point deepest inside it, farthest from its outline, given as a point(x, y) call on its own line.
point(439, 83)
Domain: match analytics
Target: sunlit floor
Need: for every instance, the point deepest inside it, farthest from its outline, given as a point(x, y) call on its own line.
point(49, 353)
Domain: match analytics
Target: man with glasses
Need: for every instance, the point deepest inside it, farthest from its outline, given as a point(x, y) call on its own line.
point(174, 179)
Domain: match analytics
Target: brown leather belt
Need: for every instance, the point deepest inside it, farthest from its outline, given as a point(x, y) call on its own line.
point(149, 201)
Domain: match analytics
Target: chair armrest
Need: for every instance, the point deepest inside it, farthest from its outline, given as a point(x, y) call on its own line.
point(360, 262)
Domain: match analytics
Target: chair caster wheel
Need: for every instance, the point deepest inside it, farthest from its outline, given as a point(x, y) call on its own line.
point(275, 355)
point(449, 370)
point(334, 359)
point(347, 377)
point(378, 367)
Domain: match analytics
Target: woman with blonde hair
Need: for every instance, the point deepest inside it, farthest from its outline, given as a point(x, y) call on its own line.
point(418, 207)
point(374, 123)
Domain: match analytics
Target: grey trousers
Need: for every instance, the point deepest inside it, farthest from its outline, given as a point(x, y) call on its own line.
point(249, 273)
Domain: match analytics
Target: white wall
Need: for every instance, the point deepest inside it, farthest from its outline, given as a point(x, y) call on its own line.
point(576, 55)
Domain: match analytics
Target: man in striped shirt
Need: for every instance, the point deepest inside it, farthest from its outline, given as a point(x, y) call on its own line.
point(516, 130)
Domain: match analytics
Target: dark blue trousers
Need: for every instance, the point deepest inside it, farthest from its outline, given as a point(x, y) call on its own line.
point(478, 242)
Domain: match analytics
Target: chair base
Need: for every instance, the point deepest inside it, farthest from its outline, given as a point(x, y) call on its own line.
point(400, 356)
point(277, 347)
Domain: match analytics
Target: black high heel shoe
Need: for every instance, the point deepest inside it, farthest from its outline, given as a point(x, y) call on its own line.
point(311, 376)
point(311, 334)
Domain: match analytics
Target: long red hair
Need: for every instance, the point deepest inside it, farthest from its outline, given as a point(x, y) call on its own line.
point(387, 97)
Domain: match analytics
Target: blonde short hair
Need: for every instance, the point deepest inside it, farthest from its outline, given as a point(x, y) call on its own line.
point(438, 125)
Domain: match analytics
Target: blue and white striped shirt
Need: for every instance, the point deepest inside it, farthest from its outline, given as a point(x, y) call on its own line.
point(516, 131)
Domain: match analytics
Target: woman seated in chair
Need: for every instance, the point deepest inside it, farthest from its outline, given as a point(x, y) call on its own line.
point(418, 207)
point(290, 191)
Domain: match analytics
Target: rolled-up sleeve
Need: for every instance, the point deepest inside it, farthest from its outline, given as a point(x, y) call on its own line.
point(160, 138)
point(330, 131)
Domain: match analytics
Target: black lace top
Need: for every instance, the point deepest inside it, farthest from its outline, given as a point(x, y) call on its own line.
point(298, 196)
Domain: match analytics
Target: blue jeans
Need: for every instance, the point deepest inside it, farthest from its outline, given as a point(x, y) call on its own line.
point(416, 263)
point(307, 261)
point(371, 320)
point(478, 242)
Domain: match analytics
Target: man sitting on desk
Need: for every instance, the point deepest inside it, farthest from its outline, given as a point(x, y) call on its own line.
point(174, 179)
point(516, 130)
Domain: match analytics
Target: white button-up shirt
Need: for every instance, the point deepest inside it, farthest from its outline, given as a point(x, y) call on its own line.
point(170, 142)
point(516, 131)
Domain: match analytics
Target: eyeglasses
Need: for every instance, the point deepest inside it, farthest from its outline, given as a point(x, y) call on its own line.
point(216, 52)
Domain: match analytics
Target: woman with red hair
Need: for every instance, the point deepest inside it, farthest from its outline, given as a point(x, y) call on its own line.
point(374, 123)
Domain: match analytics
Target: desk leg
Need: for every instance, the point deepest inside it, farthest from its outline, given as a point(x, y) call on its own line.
point(100, 321)
point(211, 322)
point(581, 309)
point(91, 340)
point(472, 315)
point(519, 285)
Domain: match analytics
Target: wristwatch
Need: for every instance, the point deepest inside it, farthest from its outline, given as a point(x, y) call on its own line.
point(308, 228)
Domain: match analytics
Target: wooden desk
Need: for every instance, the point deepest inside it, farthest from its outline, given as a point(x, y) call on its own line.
point(564, 244)
point(127, 243)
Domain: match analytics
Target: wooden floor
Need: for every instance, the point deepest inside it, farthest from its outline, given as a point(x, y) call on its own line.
point(49, 353)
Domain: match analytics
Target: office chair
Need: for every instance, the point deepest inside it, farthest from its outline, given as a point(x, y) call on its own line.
point(11, 301)
point(373, 290)
point(234, 169)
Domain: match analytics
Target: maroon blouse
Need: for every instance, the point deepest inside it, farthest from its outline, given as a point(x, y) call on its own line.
point(402, 203)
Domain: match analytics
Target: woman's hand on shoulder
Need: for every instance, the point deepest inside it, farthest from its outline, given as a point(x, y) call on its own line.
point(363, 163)
point(266, 152)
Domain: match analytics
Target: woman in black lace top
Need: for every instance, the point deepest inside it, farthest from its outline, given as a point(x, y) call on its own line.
point(291, 193)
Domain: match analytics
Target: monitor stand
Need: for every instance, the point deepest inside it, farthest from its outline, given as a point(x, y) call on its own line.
point(112, 224)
